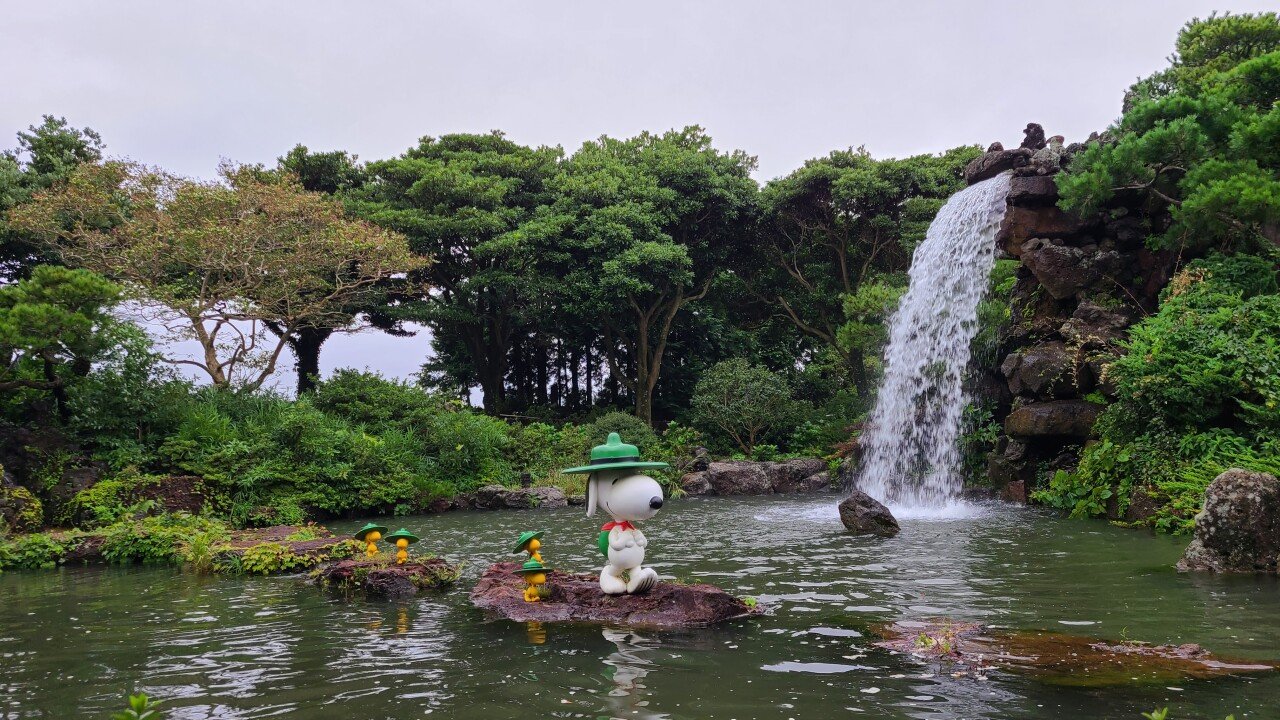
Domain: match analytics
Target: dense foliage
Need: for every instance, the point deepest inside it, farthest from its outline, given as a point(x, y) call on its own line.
point(1199, 386)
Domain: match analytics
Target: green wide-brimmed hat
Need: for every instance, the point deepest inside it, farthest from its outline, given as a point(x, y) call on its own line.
point(401, 534)
point(525, 537)
point(532, 566)
point(613, 455)
point(368, 528)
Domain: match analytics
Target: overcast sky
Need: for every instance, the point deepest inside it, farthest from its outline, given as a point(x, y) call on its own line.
point(183, 84)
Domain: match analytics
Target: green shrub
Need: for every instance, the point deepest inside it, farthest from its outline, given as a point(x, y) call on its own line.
point(632, 429)
point(159, 540)
point(37, 551)
point(1198, 392)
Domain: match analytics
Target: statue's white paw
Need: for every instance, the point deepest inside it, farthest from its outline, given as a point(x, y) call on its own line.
point(642, 580)
point(612, 584)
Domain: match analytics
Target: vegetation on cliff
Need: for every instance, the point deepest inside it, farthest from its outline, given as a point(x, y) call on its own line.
point(1197, 391)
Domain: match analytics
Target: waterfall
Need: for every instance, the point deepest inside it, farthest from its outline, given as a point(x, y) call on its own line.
point(911, 458)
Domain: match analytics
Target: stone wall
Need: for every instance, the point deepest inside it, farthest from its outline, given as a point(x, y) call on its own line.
point(1082, 282)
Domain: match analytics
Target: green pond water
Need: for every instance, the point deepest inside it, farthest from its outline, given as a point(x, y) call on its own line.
point(74, 641)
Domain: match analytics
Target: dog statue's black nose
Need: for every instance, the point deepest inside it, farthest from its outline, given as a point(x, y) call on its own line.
point(655, 502)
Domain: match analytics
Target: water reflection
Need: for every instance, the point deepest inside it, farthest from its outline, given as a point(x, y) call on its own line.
point(629, 665)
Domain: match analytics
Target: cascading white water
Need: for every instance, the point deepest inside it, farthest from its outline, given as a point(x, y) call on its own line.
point(911, 459)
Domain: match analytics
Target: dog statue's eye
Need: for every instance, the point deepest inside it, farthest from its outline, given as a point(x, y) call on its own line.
point(614, 481)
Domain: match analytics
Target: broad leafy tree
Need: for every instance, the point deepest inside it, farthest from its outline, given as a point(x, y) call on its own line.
point(639, 231)
point(220, 260)
point(457, 199)
point(841, 221)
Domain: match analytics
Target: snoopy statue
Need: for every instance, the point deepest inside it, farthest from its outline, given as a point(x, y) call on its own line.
point(628, 497)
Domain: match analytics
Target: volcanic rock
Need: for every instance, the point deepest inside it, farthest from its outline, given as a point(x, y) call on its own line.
point(743, 477)
point(972, 649)
point(1045, 369)
point(863, 514)
point(577, 598)
point(1021, 224)
point(991, 164)
point(1066, 418)
point(383, 578)
point(497, 497)
point(1033, 191)
point(1239, 528)
point(1033, 137)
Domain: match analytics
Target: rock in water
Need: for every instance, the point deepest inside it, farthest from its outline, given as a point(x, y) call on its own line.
point(991, 164)
point(861, 513)
point(383, 578)
point(1239, 528)
point(578, 598)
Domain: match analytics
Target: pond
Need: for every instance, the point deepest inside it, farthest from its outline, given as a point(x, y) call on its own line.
point(74, 641)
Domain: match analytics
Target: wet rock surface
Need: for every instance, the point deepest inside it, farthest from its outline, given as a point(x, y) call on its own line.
point(991, 164)
point(1055, 418)
point(382, 578)
point(1239, 528)
point(577, 598)
point(498, 497)
point(976, 650)
point(742, 477)
point(864, 515)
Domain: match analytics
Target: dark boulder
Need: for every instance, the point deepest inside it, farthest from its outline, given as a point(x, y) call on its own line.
point(744, 477)
point(799, 475)
point(577, 598)
point(1063, 418)
point(863, 514)
point(497, 497)
point(1046, 369)
point(1033, 137)
point(1239, 528)
point(1021, 224)
point(1033, 191)
point(1063, 271)
point(991, 164)
point(1092, 324)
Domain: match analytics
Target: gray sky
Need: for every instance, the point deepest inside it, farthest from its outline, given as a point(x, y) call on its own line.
point(182, 84)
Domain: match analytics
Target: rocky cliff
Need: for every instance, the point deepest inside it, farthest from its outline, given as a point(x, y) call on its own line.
point(1081, 283)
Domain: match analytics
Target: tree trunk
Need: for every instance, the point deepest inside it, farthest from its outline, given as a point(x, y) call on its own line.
point(306, 348)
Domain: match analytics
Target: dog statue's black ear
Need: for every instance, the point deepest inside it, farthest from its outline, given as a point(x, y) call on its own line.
point(591, 494)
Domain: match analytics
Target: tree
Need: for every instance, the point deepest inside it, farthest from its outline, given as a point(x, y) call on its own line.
point(46, 155)
point(457, 199)
point(743, 401)
point(53, 326)
point(639, 230)
point(220, 259)
point(841, 221)
point(1203, 145)
point(339, 174)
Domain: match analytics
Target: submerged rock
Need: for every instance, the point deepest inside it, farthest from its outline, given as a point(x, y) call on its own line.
point(578, 598)
point(1056, 658)
point(381, 577)
point(863, 514)
point(1239, 528)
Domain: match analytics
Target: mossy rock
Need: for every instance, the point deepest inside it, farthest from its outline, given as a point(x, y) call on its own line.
point(20, 511)
point(383, 578)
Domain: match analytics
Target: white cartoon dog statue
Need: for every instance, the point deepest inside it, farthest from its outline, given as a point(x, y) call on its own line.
point(627, 497)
